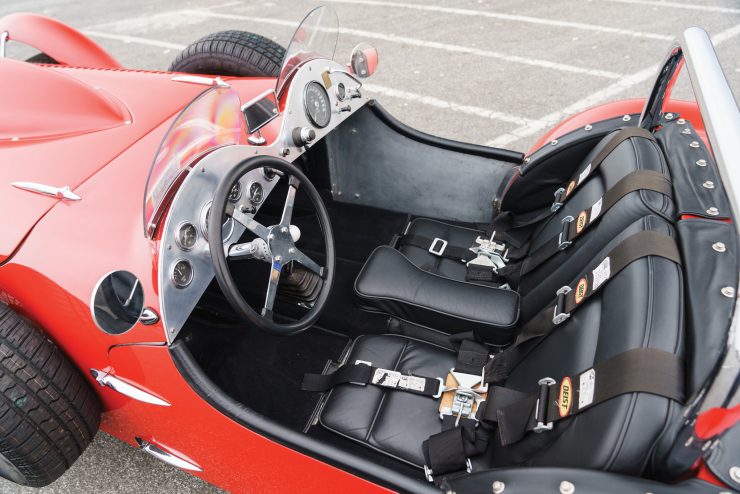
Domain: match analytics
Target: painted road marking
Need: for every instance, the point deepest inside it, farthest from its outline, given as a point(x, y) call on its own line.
point(508, 17)
point(133, 39)
point(594, 98)
point(676, 5)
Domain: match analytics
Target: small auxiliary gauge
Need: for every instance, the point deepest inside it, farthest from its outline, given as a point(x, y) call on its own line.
point(235, 193)
point(187, 234)
point(182, 273)
point(256, 193)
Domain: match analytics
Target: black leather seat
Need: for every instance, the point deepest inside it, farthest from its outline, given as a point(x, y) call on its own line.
point(537, 287)
point(642, 306)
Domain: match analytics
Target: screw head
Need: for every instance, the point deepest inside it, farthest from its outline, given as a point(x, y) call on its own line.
point(708, 184)
point(694, 144)
point(498, 487)
point(719, 246)
point(554, 142)
point(588, 127)
point(669, 116)
point(284, 229)
point(728, 291)
point(681, 121)
point(357, 195)
point(291, 251)
point(278, 258)
point(567, 487)
point(626, 118)
point(735, 474)
point(686, 131)
point(701, 162)
point(712, 211)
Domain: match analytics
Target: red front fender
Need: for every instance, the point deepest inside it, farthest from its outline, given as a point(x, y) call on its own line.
point(58, 40)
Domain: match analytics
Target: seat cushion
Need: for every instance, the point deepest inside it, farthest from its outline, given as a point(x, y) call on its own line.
point(390, 283)
point(395, 423)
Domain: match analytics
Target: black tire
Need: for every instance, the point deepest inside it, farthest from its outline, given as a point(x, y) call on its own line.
point(49, 413)
point(231, 53)
point(42, 58)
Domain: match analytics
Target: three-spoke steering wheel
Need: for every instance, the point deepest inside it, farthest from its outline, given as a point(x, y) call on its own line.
point(280, 247)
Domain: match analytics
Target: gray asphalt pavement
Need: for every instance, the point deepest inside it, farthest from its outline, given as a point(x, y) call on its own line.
point(497, 73)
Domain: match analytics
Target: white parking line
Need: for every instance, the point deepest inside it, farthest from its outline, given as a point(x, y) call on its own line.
point(447, 105)
point(426, 44)
point(594, 98)
point(507, 17)
point(385, 91)
point(133, 39)
point(676, 5)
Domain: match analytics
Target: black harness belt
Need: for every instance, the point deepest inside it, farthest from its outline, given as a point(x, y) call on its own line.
point(569, 298)
point(642, 370)
point(572, 228)
point(437, 246)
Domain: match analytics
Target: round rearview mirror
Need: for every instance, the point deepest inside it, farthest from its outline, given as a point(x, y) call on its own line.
point(364, 60)
point(117, 302)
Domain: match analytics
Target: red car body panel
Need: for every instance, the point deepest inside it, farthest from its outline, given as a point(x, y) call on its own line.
point(58, 40)
point(68, 246)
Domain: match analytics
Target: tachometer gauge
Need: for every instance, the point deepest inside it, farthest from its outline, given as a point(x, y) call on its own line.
point(227, 226)
point(186, 236)
point(256, 193)
point(182, 273)
point(318, 106)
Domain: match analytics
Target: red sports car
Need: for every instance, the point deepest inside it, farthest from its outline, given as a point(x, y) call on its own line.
point(250, 270)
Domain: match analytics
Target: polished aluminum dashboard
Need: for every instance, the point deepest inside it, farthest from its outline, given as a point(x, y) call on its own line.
point(197, 190)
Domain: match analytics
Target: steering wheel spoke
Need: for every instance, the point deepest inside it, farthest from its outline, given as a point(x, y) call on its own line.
point(293, 184)
point(254, 226)
point(307, 262)
point(272, 286)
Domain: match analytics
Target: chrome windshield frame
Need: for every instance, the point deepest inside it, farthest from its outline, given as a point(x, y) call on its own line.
point(721, 117)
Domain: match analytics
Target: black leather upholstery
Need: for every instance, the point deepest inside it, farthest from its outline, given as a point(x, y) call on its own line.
point(435, 301)
point(642, 306)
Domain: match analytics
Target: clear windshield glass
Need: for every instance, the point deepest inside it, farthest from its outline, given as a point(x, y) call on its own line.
point(315, 37)
point(212, 120)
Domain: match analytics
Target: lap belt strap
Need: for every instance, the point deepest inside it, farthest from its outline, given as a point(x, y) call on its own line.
point(574, 228)
point(363, 373)
point(642, 370)
point(563, 193)
point(437, 246)
point(570, 297)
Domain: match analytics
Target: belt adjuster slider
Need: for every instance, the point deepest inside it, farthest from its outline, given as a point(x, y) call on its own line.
point(361, 362)
point(540, 411)
point(440, 250)
point(563, 241)
point(429, 474)
point(559, 315)
point(559, 199)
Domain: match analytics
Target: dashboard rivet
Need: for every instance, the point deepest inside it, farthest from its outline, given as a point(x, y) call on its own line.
point(701, 163)
point(728, 291)
point(669, 116)
point(357, 195)
point(588, 127)
point(712, 211)
point(284, 152)
point(708, 184)
point(694, 144)
point(291, 251)
point(554, 142)
point(626, 118)
point(719, 246)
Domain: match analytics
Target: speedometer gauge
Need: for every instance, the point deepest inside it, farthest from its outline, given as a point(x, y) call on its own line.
point(318, 106)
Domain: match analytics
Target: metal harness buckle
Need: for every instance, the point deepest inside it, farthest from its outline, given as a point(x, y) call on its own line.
point(559, 315)
point(541, 414)
point(559, 199)
point(470, 390)
point(441, 250)
point(563, 241)
point(490, 253)
point(430, 475)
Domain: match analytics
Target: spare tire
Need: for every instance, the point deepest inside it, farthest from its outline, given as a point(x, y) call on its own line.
point(49, 413)
point(231, 53)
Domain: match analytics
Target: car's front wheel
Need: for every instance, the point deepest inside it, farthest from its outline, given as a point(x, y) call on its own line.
point(49, 414)
point(231, 53)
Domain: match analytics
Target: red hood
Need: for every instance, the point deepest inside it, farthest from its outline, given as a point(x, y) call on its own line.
point(70, 123)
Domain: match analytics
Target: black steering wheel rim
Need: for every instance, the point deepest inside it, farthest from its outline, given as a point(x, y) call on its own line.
point(220, 263)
